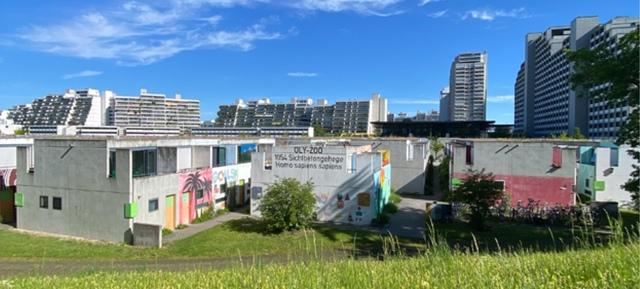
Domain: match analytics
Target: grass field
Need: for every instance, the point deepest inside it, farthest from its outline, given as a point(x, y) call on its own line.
point(612, 267)
point(238, 237)
point(244, 237)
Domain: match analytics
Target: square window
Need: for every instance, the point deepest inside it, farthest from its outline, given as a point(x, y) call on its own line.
point(153, 205)
point(199, 194)
point(57, 203)
point(44, 202)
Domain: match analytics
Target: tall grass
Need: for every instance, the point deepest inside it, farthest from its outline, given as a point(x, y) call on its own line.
point(611, 267)
point(588, 263)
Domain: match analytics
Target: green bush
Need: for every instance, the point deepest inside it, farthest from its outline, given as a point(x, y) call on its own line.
point(288, 205)
point(205, 216)
point(394, 197)
point(390, 208)
point(181, 226)
point(166, 232)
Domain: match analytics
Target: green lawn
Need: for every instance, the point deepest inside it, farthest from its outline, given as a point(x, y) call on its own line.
point(244, 237)
point(238, 237)
point(606, 267)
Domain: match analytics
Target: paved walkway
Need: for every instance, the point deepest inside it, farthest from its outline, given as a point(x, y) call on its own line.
point(409, 221)
point(197, 228)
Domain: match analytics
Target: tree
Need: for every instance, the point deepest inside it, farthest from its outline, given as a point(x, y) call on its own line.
point(318, 130)
point(619, 69)
point(288, 205)
point(479, 191)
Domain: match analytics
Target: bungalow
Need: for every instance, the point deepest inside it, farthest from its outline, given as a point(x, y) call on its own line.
point(98, 187)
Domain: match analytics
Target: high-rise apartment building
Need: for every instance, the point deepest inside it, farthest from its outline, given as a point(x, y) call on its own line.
point(74, 107)
point(344, 116)
point(545, 103)
point(87, 107)
point(467, 98)
point(153, 110)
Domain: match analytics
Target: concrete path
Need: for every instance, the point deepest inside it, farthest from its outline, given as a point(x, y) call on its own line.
point(23, 268)
point(197, 228)
point(409, 221)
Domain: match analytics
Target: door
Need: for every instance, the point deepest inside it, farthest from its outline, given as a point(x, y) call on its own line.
point(184, 209)
point(170, 212)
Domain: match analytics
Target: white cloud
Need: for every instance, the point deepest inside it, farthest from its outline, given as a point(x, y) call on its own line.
point(365, 7)
point(84, 73)
point(136, 33)
point(302, 74)
point(491, 14)
point(425, 2)
point(500, 99)
point(438, 14)
point(415, 101)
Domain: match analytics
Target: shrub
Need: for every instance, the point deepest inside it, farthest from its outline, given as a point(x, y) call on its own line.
point(181, 226)
point(166, 232)
point(288, 205)
point(390, 208)
point(394, 197)
point(381, 220)
point(206, 215)
point(480, 192)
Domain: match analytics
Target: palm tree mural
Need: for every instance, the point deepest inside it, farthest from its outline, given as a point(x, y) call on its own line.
point(196, 181)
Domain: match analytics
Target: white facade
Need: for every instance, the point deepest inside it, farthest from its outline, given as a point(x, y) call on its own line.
point(545, 102)
point(468, 88)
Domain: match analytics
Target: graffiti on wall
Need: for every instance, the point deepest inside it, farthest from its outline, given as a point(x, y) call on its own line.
point(196, 187)
point(7, 177)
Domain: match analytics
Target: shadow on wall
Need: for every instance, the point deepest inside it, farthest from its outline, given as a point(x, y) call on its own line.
point(360, 182)
point(415, 186)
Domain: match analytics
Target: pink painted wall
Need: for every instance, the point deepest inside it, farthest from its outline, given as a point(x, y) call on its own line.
point(548, 190)
point(191, 182)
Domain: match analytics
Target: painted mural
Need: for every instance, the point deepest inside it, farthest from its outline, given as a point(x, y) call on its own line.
point(195, 190)
point(229, 176)
point(7, 177)
point(356, 205)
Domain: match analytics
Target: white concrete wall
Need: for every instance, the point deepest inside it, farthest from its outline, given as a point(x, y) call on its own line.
point(333, 181)
point(7, 157)
point(614, 177)
point(184, 158)
point(155, 187)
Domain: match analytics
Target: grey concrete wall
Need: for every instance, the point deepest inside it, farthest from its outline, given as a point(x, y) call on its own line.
point(155, 187)
point(201, 156)
point(517, 158)
point(167, 160)
point(76, 171)
point(147, 235)
point(408, 174)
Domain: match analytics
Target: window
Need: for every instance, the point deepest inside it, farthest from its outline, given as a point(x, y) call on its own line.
point(586, 182)
point(613, 157)
point(30, 160)
point(153, 205)
point(219, 157)
point(500, 185)
point(469, 155)
point(144, 162)
point(199, 194)
point(44, 202)
point(57, 203)
point(244, 153)
point(112, 164)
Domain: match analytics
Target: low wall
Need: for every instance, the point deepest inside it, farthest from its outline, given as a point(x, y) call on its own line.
point(147, 235)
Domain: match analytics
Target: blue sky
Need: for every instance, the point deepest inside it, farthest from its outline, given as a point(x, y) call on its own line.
point(220, 50)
